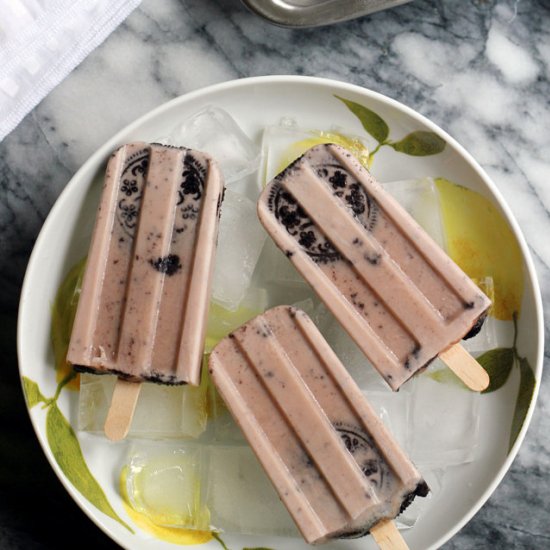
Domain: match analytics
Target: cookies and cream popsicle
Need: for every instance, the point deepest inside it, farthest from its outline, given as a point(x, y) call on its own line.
point(398, 295)
point(336, 468)
point(145, 293)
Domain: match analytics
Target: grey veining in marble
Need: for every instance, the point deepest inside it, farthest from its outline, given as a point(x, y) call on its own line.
point(478, 68)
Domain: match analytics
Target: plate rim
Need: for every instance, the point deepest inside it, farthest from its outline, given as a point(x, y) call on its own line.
point(103, 151)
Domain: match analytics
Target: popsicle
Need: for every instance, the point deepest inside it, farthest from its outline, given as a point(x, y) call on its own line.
point(393, 289)
point(334, 465)
point(145, 293)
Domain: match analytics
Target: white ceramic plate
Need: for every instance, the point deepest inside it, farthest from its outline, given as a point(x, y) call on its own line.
point(255, 103)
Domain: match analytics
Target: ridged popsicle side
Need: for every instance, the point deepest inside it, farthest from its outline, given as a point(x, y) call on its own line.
point(399, 296)
point(147, 281)
point(333, 463)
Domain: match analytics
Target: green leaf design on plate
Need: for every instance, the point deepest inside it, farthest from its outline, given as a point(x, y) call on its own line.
point(32, 392)
point(525, 395)
point(498, 363)
point(68, 455)
point(420, 144)
point(372, 123)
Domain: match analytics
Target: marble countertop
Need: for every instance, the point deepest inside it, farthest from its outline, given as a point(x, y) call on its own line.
point(480, 69)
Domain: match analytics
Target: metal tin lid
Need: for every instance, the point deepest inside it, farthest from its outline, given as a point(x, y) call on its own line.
point(316, 13)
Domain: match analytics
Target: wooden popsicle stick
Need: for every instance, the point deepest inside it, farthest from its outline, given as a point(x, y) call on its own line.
point(465, 367)
point(387, 536)
point(121, 411)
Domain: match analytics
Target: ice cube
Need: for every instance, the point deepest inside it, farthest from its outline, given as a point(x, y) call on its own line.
point(285, 142)
point(307, 305)
point(278, 146)
point(279, 277)
point(240, 242)
point(248, 186)
point(420, 198)
point(164, 482)
point(214, 131)
point(394, 409)
point(444, 420)
point(241, 497)
point(205, 487)
point(161, 411)
point(222, 321)
point(275, 268)
point(360, 368)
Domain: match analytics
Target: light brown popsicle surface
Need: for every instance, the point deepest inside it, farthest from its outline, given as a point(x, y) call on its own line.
point(399, 296)
point(334, 465)
point(145, 293)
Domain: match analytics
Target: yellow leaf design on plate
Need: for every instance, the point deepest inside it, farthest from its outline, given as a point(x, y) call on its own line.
point(68, 455)
point(480, 241)
point(354, 145)
point(183, 537)
point(63, 313)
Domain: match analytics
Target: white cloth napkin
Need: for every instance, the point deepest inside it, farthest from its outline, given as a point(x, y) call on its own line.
point(42, 41)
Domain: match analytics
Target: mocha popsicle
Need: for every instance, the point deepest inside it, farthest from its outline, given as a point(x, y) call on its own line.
point(145, 293)
point(399, 296)
point(335, 466)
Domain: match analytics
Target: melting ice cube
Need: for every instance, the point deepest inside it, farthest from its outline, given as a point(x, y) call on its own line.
point(205, 487)
point(444, 424)
point(161, 411)
point(164, 483)
point(214, 131)
point(236, 476)
point(285, 142)
point(240, 241)
point(360, 368)
point(420, 198)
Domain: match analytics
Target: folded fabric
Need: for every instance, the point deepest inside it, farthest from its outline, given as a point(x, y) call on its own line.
point(42, 41)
